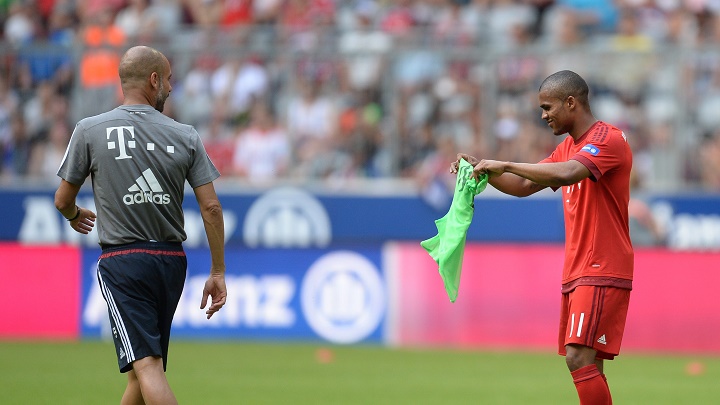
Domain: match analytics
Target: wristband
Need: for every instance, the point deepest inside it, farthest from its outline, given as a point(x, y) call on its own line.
point(76, 215)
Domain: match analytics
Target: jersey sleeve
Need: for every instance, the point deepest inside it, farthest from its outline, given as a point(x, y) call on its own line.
point(75, 166)
point(550, 159)
point(555, 156)
point(202, 170)
point(602, 155)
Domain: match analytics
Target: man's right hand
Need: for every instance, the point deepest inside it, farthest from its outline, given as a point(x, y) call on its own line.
point(216, 290)
point(454, 166)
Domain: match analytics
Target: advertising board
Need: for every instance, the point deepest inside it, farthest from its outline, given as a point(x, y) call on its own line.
point(39, 291)
point(336, 295)
point(509, 296)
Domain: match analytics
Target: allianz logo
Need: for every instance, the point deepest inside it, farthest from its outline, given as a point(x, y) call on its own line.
point(146, 189)
point(287, 217)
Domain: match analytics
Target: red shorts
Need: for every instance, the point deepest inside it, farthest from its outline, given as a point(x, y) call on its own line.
point(594, 316)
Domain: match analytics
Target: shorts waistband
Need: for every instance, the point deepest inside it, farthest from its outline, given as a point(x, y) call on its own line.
point(157, 248)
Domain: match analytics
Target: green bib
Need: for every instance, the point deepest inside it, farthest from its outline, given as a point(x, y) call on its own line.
point(448, 246)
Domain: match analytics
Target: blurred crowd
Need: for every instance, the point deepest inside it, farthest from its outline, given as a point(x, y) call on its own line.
point(336, 90)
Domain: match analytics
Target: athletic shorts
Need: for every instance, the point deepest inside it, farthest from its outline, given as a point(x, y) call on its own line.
point(141, 283)
point(594, 316)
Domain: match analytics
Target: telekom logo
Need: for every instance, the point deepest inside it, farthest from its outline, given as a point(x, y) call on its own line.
point(120, 145)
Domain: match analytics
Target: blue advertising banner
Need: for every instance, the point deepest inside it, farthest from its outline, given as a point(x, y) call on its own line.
point(292, 217)
point(295, 218)
point(337, 295)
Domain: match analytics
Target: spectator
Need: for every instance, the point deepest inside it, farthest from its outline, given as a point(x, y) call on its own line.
point(311, 122)
point(364, 50)
point(301, 22)
point(354, 47)
point(38, 111)
point(709, 154)
point(47, 155)
point(267, 11)
point(504, 17)
point(15, 157)
point(204, 14)
point(167, 15)
point(262, 150)
point(399, 19)
point(456, 24)
point(9, 104)
point(195, 91)
point(217, 136)
point(595, 17)
point(99, 84)
point(136, 20)
point(236, 13)
point(22, 83)
point(415, 147)
point(360, 136)
point(563, 31)
point(87, 8)
point(506, 128)
point(21, 25)
point(48, 58)
point(644, 229)
point(681, 26)
point(435, 182)
point(629, 37)
point(238, 82)
point(458, 98)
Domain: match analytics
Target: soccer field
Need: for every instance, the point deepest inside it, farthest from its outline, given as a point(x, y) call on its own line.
point(250, 373)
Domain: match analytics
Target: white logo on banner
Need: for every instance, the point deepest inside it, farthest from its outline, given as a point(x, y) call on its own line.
point(343, 297)
point(287, 217)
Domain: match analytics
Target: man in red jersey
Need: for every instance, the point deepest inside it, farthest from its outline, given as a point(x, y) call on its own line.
point(592, 166)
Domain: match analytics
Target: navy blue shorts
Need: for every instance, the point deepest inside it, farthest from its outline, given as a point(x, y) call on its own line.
point(141, 283)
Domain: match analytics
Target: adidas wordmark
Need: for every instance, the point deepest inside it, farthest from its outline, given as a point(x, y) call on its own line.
point(146, 189)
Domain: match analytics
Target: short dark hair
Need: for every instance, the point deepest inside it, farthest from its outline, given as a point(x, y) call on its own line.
point(567, 83)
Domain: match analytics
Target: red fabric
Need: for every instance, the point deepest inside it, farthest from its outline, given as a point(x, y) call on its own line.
point(300, 15)
point(221, 154)
point(594, 317)
point(597, 236)
point(237, 12)
point(591, 386)
point(398, 21)
point(146, 251)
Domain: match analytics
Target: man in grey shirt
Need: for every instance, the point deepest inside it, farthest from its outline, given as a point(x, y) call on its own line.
point(139, 160)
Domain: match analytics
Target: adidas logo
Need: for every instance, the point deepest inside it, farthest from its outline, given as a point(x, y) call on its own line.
point(146, 189)
point(601, 340)
point(122, 353)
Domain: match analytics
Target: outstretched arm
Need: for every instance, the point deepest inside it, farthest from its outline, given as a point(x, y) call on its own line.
point(82, 220)
point(524, 179)
point(211, 212)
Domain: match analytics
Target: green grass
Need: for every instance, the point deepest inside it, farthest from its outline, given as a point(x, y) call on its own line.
point(249, 373)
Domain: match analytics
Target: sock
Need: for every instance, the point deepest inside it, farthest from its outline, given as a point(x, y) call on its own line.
point(591, 387)
point(607, 385)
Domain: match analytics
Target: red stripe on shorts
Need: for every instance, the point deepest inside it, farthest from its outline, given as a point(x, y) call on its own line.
point(148, 251)
point(598, 301)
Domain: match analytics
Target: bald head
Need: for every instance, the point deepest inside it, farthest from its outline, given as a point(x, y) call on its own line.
point(145, 77)
point(564, 84)
point(138, 64)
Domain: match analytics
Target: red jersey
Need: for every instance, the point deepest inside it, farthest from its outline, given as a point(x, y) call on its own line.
point(598, 250)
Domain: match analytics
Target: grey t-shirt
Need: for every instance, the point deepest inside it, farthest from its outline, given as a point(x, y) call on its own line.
point(139, 160)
